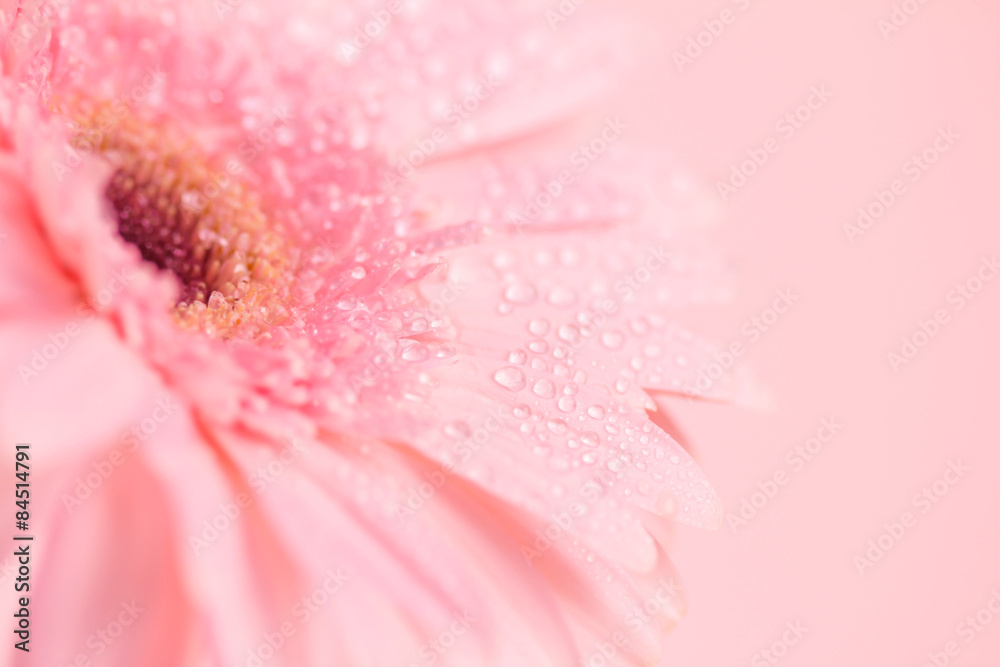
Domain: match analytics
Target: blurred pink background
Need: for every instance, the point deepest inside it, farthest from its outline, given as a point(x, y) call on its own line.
point(890, 93)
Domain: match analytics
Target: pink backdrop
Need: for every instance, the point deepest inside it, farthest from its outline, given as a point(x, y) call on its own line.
point(890, 92)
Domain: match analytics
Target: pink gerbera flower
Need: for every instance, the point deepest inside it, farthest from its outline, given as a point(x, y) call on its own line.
point(325, 354)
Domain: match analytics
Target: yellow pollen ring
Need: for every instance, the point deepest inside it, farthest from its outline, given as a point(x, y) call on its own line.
point(235, 269)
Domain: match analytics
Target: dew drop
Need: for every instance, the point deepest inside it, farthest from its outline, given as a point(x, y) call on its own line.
point(566, 404)
point(557, 426)
point(360, 320)
point(511, 378)
point(596, 411)
point(520, 293)
point(639, 326)
point(570, 333)
point(504, 260)
point(538, 327)
point(562, 297)
point(416, 352)
point(347, 302)
point(545, 388)
point(613, 340)
point(538, 346)
point(518, 357)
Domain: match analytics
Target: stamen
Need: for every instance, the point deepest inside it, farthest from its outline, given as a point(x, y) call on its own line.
point(234, 267)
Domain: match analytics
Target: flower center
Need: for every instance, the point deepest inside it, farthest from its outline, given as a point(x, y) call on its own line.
point(210, 232)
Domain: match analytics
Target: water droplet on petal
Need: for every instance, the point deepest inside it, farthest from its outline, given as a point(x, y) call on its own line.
point(504, 260)
point(538, 346)
point(639, 326)
point(416, 352)
point(562, 297)
point(511, 378)
point(545, 388)
point(570, 333)
point(596, 411)
point(520, 293)
point(557, 426)
point(613, 340)
point(538, 327)
point(566, 404)
point(517, 357)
